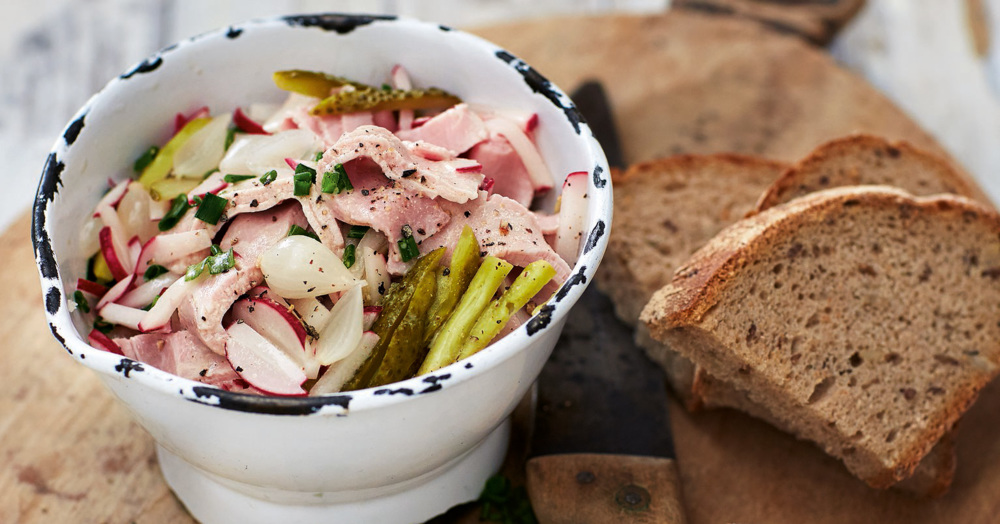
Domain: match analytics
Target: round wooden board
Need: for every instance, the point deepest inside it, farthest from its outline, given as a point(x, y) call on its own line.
point(678, 83)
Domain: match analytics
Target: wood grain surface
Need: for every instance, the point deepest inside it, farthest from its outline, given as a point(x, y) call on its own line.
point(690, 84)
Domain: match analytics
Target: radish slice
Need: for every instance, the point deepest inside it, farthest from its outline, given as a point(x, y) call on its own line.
point(300, 267)
point(129, 317)
point(143, 294)
point(213, 184)
point(111, 254)
point(167, 248)
point(182, 120)
point(279, 326)
point(258, 154)
point(91, 287)
point(312, 311)
point(159, 315)
point(114, 196)
point(202, 152)
point(158, 209)
point(541, 178)
point(261, 363)
point(246, 124)
point(116, 292)
point(339, 373)
point(342, 332)
point(572, 211)
point(101, 341)
point(401, 80)
point(134, 250)
point(371, 314)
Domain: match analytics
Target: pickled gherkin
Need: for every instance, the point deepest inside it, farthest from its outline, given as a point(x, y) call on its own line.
point(531, 280)
point(448, 341)
point(371, 99)
point(312, 83)
point(453, 281)
point(394, 309)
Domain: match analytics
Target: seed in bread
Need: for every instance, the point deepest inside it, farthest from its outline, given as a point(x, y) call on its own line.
point(862, 317)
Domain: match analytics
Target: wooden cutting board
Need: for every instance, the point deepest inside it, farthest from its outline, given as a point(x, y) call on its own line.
point(679, 83)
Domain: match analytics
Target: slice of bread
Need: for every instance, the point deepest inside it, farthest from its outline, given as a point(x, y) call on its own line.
point(860, 159)
point(862, 318)
point(817, 22)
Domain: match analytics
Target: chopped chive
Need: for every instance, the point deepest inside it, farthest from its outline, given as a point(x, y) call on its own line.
point(408, 249)
point(329, 183)
point(221, 262)
point(302, 168)
point(303, 183)
point(177, 210)
point(194, 270)
point(349, 255)
point(153, 271)
point(386, 87)
point(145, 159)
point(298, 230)
point(268, 177)
point(81, 301)
point(102, 326)
point(195, 201)
point(318, 157)
point(214, 249)
point(230, 137)
point(336, 181)
point(232, 179)
point(357, 231)
point(210, 209)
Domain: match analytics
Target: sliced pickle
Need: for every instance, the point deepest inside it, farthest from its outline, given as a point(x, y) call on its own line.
point(371, 99)
point(312, 83)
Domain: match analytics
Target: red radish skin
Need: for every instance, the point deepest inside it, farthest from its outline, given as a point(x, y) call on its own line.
point(272, 320)
point(532, 123)
point(478, 168)
point(90, 287)
point(101, 341)
point(159, 315)
point(292, 163)
point(487, 185)
point(262, 364)
point(114, 196)
point(369, 316)
point(182, 120)
point(246, 124)
point(142, 295)
point(117, 291)
point(134, 250)
point(110, 255)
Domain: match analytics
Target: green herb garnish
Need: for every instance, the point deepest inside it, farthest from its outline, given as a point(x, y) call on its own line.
point(221, 262)
point(177, 209)
point(153, 271)
point(268, 177)
point(81, 301)
point(407, 245)
point(102, 326)
point(298, 230)
point(357, 231)
point(349, 250)
point(232, 179)
point(303, 183)
point(145, 159)
point(318, 157)
point(194, 271)
point(210, 209)
point(336, 181)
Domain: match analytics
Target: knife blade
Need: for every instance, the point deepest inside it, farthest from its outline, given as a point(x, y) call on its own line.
point(602, 449)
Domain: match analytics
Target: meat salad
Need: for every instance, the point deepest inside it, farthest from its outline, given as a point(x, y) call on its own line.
point(351, 237)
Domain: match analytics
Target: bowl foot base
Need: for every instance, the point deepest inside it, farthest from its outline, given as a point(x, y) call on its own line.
point(211, 499)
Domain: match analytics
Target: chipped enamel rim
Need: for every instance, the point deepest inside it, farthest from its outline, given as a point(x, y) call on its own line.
point(48, 198)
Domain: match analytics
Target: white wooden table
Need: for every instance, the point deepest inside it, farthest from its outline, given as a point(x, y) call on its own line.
point(55, 53)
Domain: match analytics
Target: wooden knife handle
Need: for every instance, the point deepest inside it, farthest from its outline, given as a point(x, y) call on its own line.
point(588, 488)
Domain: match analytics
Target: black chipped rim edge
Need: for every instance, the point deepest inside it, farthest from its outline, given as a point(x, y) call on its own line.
point(371, 398)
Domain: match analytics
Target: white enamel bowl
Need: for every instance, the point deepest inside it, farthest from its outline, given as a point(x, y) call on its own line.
point(402, 453)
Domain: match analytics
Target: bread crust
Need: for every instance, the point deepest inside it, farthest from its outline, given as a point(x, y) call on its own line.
point(675, 312)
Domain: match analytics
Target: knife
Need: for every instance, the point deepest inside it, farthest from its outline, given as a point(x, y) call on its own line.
point(602, 449)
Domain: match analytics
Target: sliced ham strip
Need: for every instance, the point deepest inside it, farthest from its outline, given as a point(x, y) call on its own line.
point(502, 163)
point(505, 229)
point(202, 310)
point(352, 121)
point(451, 179)
point(251, 234)
point(456, 129)
point(182, 354)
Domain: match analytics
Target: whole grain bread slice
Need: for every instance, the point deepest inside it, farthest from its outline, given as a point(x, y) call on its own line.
point(862, 159)
point(862, 318)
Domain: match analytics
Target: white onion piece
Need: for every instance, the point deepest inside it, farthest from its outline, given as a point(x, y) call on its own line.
point(376, 277)
point(340, 372)
point(343, 329)
point(202, 152)
point(300, 267)
point(144, 294)
point(312, 311)
point(159, 315)
point(572, 211)
point(258, 154)
point(116, 292)
point(122, 315)
point(167, 248)
point(261, 363)
point(89, 235)
point(134, 212)
point(112, 197)
point(541, 178)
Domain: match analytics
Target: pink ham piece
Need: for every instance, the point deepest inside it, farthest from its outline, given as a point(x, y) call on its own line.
point(251, 234)
point(505, 229)
point(455, 179)
point(456, 129)
point(183, 355)
point(503, 164)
